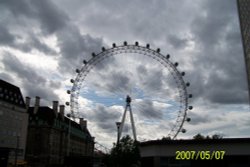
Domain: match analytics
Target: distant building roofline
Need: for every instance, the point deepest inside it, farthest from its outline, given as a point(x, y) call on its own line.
point(195, 141)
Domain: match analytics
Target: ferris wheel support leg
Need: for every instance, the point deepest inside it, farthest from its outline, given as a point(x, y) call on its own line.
point(122, 123)
point(132, 122)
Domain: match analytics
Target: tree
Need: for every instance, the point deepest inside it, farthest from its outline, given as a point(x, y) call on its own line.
point(217, 136)
point(201, 137)
point(126, 153)
point(166, 138)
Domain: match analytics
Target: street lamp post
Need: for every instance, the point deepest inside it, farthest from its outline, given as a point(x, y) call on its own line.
point(118, 124)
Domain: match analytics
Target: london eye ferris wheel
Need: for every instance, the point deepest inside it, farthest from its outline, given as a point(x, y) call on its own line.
point(156, 88)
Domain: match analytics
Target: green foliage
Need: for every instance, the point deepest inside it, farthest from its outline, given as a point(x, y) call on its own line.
point(166, 138)
point(125, 154)
point(217, 136)
point(201, 137)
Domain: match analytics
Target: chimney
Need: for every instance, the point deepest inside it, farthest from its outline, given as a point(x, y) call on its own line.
point(37, 104)
point(27, 103)
point(55, 107)
point(83, 123)
point(62, 107)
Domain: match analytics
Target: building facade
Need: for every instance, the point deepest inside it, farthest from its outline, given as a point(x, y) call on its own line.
point(49, 142)
point(13, 124)
point(244, 15)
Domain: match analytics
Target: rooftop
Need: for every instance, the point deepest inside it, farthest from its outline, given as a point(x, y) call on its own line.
point(196, 141)
point(11, 94)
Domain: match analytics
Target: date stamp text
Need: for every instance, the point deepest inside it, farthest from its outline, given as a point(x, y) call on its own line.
point(199, 155)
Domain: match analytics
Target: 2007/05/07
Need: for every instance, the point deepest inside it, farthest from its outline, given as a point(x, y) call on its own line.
point(203, 155)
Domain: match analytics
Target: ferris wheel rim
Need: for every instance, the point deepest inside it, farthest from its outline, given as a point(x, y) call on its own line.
point(147, 51)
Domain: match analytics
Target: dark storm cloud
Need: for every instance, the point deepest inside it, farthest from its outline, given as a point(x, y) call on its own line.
point(210, 26)
point(226, 90)
point(110, 81)
point(119, 81)
point(206, 117)
point(105, 118)
point(146, 21)
point(35, 43)
point(12, 64)
point(45, 12)
point(147, 109)
point(150, 79)
point(5, 36)
point(75, 47)
point(197, 119)
point(219, 62)
point(177, 42)
point(33, 83)
point(31, 42)
point(16, 31)
point(6, 77)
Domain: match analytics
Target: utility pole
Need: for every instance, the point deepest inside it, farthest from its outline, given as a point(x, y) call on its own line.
point(118, 125)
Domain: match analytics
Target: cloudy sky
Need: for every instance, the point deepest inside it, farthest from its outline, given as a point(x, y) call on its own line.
point(43, 42)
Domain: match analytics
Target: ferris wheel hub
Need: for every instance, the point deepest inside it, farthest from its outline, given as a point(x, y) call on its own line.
point(128, 99)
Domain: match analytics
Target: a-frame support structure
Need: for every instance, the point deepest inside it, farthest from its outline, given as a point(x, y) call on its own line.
point(121, 125)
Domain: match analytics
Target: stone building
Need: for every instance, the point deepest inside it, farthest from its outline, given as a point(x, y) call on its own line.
point(48, 142)
point(13, 124)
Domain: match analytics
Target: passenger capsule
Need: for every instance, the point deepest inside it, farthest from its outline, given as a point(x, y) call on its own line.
point(85, 62)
